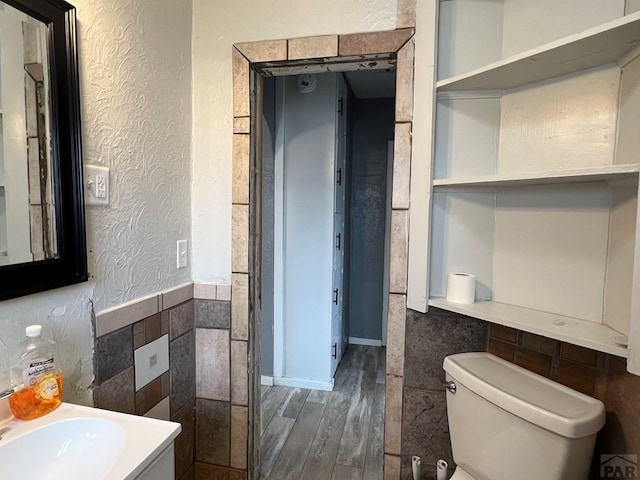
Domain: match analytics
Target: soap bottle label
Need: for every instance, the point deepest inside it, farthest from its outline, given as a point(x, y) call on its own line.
point(35, 371)
point(47, 387)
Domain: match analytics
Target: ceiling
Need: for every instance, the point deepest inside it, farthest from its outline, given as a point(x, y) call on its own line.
point(372, 83)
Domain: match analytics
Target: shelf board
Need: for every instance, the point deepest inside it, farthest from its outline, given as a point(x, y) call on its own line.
point(586, 334)
point(596, 46)
point(591, 174)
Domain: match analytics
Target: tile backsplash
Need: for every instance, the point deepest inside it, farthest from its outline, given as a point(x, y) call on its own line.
point(171, 356)
point(438, 333)
point(597, 374)
point(430, 338)
point(147, 368)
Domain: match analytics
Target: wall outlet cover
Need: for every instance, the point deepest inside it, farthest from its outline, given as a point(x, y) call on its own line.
point(96, 185)
point(151, 361)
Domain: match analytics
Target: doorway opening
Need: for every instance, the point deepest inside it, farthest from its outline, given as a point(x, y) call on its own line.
point(253, 62)
point(326, 180)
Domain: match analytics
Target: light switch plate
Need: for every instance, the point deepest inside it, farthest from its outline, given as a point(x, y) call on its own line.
point(151, 361)
point(96, 185)
point(182, 254)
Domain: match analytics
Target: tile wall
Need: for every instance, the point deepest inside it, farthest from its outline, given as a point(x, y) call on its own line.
point(191, 380)
point(221, 389)
point(594, 373)
point(430, 338)
point(171, 394)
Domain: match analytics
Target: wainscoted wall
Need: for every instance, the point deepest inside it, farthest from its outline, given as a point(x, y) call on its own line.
point(432, 336)
point(126, 382)
point(221, 411)
point(165, 320)
point(429, 339)
point(594, 373)
point(203, 362)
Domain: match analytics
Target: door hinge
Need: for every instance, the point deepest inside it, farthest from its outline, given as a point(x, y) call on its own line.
point(335, 296)
point(335, 351)
point(340, 105)
point(339, 181)
point(338, 241)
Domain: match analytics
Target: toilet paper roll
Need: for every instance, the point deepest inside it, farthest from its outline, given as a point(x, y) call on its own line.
point(461, 288)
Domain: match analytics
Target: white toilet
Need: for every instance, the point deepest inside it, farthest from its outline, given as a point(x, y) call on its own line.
point(507, 423)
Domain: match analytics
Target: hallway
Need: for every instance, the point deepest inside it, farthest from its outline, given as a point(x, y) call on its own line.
point(318, 435)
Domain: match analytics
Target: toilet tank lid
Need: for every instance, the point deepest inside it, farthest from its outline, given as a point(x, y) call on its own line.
point(527, 395)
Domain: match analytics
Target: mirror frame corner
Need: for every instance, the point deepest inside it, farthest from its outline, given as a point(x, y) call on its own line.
point(70, 266)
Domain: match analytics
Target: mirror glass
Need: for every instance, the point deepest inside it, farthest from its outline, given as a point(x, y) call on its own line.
point(27, 189)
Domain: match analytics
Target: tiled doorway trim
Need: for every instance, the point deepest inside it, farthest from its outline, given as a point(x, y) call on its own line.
point(250, 60)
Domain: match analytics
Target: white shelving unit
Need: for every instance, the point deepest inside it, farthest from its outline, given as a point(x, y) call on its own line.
point(607, 43)
point(536, 166)
point(586, 334)
point(593, 174)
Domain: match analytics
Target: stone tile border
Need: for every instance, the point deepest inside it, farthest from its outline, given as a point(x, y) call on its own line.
point(249, 60)
point(114, 318)
point(175, 296)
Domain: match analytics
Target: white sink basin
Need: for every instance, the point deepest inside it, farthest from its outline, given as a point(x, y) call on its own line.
point(75, 442)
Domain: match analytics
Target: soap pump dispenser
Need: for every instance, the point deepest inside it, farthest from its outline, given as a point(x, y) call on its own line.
point(38, 381)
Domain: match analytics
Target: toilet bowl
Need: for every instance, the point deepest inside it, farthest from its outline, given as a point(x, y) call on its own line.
point(507, 423)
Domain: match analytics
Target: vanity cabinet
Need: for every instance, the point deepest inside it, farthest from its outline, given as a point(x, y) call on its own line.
point(535, 167)
point(162, 467)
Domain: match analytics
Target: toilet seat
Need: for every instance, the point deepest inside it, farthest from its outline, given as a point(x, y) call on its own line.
point(460, 474)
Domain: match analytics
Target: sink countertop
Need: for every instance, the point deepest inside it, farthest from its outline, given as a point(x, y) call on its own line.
point(142, 439)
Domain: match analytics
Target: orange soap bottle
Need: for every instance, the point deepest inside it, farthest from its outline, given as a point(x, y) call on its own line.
point(37, 379)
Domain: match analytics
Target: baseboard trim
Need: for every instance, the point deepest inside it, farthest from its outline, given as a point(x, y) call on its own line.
point(266, 380)
point(303, 383)
point(365, 341)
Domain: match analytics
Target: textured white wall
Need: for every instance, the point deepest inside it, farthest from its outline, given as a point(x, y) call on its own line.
point(136, 89)
point(135, 76)
point(216, 27)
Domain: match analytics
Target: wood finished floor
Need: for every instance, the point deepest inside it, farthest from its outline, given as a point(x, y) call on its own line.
point(316, 435)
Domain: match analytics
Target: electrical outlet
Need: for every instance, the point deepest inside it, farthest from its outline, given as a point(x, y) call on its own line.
point(96, 185)
point(101, 186)
point(182, 254)
point(151, 361)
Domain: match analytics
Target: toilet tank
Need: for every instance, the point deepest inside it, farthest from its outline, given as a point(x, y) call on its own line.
point(508, 423)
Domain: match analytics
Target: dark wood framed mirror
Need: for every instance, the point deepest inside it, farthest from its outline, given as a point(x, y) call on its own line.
point(42, 223)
